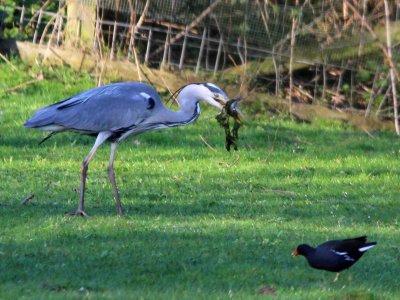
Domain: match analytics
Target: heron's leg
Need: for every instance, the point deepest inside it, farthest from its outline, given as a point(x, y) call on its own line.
point(336, 277)
point(111, 175)
point(101, 138)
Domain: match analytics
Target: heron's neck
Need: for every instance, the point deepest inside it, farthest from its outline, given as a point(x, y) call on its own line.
point(189, 108)
point(184, 116)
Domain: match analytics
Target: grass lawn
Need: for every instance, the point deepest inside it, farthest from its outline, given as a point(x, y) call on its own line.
point(199, 224)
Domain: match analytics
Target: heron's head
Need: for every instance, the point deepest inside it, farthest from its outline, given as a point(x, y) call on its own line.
point(208, 92)
point(214, 95)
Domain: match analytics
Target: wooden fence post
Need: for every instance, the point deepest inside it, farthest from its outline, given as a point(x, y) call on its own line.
point(292, 45)
point(78, 32)
point(37, 27)
point(166, 48)
point(203, 40)
point(114, 37)
point(131, 42)
point(181, 61)
point(373, 93)
point(208, 49)
point(96, 38)
point(221, 42)
point(277, 73)
point(59, 29)
point(315, 85)
point(169, 49)
point(21, 21)
point(324, 79)
point(146, 57)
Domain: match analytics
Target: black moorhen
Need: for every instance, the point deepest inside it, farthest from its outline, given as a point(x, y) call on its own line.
point(336, 255)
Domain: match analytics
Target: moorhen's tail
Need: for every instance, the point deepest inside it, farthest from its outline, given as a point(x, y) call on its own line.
point(367, 246)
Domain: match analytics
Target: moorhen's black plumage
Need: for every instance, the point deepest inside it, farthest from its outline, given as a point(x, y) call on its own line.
point(336, 255)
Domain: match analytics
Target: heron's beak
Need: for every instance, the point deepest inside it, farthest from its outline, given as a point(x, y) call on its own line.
point(218, 102)
point(220, 99)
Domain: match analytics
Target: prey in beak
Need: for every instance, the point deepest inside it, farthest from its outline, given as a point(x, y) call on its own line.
point(230, 110)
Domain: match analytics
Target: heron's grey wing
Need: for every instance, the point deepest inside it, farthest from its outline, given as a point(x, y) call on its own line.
point(113, 108)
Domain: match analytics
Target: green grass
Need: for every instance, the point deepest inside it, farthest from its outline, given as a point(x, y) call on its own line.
point(199, 224)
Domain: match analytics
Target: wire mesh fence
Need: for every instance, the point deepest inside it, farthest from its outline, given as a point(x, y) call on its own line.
point(213, 34)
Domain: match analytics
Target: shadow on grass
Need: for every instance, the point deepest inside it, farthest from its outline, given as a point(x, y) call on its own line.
point(232, 230)
point(196, 201)
point(103, 255)
point(253, 137)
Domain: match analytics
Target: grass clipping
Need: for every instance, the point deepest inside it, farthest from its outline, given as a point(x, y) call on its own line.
point(230, 110)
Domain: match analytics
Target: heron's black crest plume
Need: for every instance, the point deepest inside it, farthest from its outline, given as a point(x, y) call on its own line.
point(173, 96)
point(48, 136)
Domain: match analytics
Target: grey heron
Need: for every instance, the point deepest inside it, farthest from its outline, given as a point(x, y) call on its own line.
point(116, 111)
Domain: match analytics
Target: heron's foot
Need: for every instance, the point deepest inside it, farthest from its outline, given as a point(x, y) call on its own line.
point(78, 212)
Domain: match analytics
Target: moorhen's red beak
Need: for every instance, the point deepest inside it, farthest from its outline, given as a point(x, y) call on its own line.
point(295, 252)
